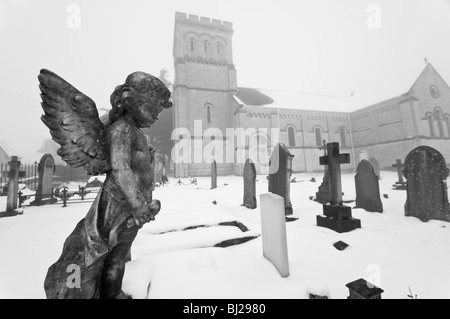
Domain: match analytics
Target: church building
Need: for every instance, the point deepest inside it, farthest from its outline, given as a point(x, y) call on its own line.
point(210, 109)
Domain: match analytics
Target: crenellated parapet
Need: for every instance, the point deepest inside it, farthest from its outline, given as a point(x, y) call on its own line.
point(203, 22)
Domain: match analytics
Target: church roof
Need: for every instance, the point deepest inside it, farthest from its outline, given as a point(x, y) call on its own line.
point(317, 102)
point(7, 149)
point(428, 68)
point(295, 100)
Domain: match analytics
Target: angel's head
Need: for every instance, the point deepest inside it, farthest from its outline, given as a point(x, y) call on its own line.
point(142, 98)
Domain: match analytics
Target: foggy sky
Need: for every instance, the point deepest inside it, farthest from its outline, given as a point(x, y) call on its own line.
point(326, 47)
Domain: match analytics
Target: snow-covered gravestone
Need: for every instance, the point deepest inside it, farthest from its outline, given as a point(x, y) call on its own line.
point(44, 192)
point(273, 231)
point(249, 185)
point(367, 188)
point(13, 184)
point(213, 175)
point(426, 187)
point(280, 175)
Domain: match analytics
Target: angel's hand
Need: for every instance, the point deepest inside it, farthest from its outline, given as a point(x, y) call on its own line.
point(145, 214)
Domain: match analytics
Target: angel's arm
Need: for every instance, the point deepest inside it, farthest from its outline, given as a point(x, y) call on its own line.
point(120, 137)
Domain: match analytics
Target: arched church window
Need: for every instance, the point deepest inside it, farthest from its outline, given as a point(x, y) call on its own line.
point(291, 136)
point(343, 136)
point(431, 125)
point(318, 133)
point(208, 113)
point(192, 47)
point(447, 120)
point(438, 115)
point(219, 51)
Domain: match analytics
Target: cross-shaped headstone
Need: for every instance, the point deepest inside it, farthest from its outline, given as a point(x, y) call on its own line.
point(323, 195)
point(324, 147)
point(334, 161)
point(399, 165)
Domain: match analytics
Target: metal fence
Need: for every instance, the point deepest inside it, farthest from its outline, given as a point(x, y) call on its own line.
point(60, 196)
point(30, 175)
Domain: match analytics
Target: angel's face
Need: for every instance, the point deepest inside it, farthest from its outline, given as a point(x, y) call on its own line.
point(147, 111)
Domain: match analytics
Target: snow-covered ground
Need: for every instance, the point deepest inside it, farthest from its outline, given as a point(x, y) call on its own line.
point(395, 252)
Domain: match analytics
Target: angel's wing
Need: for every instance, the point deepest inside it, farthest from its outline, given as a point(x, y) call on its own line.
point(72, 118)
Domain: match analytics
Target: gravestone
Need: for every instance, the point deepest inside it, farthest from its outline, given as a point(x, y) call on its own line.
point(249, 185)
point(367, 188)
point(336, 216)
point(13, 188)
point(213, 175)
point(376, 166)
point(273, 231)
point(323, 195)
point(426, 185)
point(280, 175)
point(44, 192)
point(400, 184)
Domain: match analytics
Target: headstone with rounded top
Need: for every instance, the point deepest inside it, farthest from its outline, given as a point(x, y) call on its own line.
point(44, 192)
point(367, 188)
point(426, 175)
point(280, 175)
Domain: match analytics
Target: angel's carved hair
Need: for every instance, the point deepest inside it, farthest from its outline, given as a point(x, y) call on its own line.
point(138, 85)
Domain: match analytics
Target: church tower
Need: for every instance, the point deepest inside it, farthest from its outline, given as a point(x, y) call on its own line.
point(205, 80)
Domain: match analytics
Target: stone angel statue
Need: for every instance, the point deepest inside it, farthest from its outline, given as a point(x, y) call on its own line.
point(92, 263)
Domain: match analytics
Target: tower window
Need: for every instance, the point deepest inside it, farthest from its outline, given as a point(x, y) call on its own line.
point(192, 45)
point(291, 136)
point(219, 52)
point(343, 137)
point(318, 133)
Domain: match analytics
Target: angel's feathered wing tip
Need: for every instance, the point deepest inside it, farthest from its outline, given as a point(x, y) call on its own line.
point(73, 121)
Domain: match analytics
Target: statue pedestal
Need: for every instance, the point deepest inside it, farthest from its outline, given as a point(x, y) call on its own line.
point(338, 218)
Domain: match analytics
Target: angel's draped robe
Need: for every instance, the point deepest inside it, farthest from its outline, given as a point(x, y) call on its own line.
point(100, 241)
